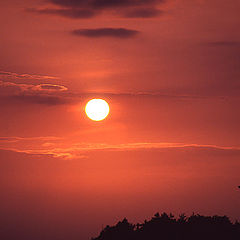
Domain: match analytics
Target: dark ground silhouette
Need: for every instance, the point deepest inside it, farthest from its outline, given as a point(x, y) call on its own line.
point(167, 227)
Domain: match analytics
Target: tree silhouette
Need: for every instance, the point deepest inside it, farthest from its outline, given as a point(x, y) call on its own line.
point(167, 227)
point(122, 230)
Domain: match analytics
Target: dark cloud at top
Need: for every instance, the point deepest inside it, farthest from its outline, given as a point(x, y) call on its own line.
point(92, 8)
point(105, 32)
point(104, 3)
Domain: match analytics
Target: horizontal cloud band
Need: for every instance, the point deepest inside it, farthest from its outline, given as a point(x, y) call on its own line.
point(105, 32)
point(92, 8)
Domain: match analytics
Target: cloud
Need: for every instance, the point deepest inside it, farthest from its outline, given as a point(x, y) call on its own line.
point(18, 139)
point(156, 94)
point(92, 8)
point(82, 149)
point(149, 145)
point(9, 139)
point(43, 93)
point(22, 87)
point(11, 87)
point(47, 94)
point(105, 32)
point(49, 87)
point(12, 75)
point(69, 12)
point(96, 4)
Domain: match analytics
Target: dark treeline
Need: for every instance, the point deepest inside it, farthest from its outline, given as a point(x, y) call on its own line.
point(167, 227)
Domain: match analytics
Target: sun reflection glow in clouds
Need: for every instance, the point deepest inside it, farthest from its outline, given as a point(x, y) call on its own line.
point(97, 109)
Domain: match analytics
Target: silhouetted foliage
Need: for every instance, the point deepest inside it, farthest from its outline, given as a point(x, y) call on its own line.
point(167, 227)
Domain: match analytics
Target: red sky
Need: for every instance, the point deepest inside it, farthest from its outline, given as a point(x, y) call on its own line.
point(170, 73)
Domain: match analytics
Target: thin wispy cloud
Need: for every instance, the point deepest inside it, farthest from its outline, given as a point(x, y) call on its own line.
point(82, 149)
point(32, 88)
point(18, 139)
point(47, 94)
point(25, 76)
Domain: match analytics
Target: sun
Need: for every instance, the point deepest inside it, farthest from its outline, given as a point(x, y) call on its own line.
point(97, 109)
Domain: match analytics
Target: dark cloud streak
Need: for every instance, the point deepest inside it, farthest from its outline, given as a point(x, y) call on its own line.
point(101, 4)
point(105, 32)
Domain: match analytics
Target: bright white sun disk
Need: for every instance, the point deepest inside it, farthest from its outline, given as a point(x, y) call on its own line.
point(97, 109)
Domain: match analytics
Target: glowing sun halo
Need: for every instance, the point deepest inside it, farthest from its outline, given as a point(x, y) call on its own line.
point(97, 109)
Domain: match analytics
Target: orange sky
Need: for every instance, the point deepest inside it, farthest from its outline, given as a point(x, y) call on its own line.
point(170, 73)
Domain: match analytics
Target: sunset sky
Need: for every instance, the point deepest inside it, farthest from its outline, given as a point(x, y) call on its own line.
point(169, 70)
